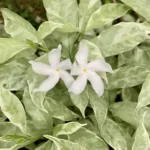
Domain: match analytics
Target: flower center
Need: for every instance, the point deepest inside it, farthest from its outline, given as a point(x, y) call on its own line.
point(57, 70)
point(84, 70)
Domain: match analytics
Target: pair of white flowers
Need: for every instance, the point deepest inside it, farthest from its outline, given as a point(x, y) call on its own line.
point(85, 71)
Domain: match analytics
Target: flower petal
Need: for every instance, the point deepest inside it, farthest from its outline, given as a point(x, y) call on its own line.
point(54, 56)
point(79, 84)
point(49, 83)
point(67, 78)
point(96, 82)
point(65, 65)
point(41, 68)
point(76, 70)
point(99, 65)
point(82, 55)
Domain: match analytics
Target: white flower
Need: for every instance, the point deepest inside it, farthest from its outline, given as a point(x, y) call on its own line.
point(55, 70)
point(87, 71)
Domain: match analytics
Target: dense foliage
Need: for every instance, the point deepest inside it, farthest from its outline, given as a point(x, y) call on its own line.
point(60, 120)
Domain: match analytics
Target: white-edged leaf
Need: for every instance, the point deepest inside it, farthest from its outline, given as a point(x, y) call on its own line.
point(142, 141)
point(88, 139)
point(11, 47)
point(64, 144)
point(48, 27)
point(46, 146)
point(66, 129)
point(13, 109)
point(18, 27)
point(144, 96)
point(106, 14)
point(43, 119)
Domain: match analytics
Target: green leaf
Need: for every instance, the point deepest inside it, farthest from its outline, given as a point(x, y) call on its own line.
point(80, 101)
point(127, 76)
point(10, 48)
point(58, 110)
point(142, 141)
point(13, 109)
point(120, 38)
point(88, 139)
point(14, 79)
point(129, 94)
point(18, 27)
point(113, 135)
point(86, 8)
point(46, 146)
point(64, 144)
point(66, 129)
point(61, 11)
point(141, 7)
point(48, 27)
point(144, 96)
point(106, 14)
point(99, 105)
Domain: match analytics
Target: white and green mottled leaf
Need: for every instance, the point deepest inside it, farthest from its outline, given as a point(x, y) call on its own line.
point(120, 38)
point(43, 119)
point(48, 27)
point(113, 135)
point(129, 94)
point(86, 8)
point(61, 11)
point(59, 110)
point(144, 96)
point(88, 139)
point(99, 105)
point(13, 109)
point(139, 6)
point(142, 141)
point(106, 14)
point(18, 27)
point(127, 76)
point(66, 129)
point(126, 111)
point(10, 48)
point(137, 57)
point(64, 144)
point(80, 101)
point(14, 79)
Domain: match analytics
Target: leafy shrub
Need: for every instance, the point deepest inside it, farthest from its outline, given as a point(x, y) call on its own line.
point(59, 119)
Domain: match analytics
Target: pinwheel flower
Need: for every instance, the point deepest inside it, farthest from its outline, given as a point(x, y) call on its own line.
point(87, 71)
point(54, 71)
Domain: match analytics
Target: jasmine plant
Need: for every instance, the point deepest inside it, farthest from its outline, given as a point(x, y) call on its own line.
point(80, 81)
